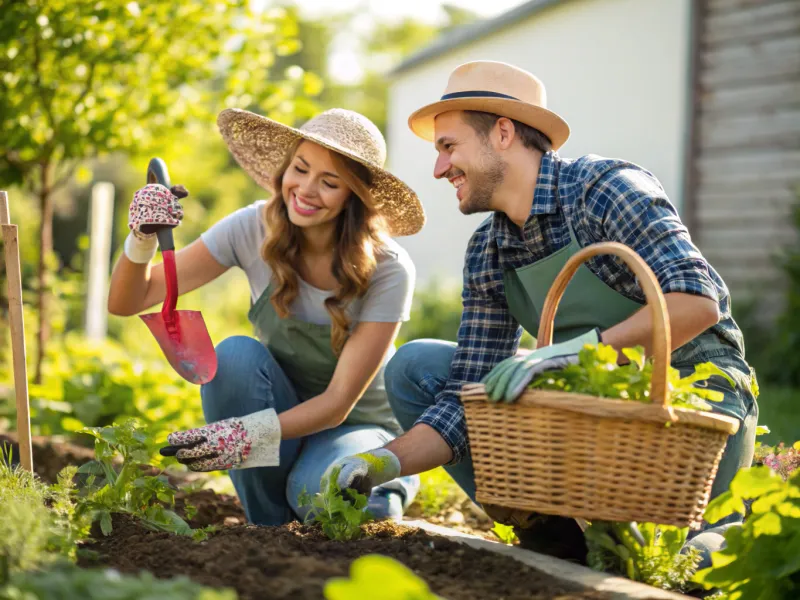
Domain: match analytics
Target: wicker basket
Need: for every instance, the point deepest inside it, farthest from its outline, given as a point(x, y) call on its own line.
point(588, 457)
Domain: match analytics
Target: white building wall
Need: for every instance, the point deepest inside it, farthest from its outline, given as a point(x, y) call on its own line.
point(616, 70)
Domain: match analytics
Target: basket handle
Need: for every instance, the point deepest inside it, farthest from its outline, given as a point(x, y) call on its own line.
point(653, 294)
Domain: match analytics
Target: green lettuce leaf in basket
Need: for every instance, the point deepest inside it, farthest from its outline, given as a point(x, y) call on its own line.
point(598, 373)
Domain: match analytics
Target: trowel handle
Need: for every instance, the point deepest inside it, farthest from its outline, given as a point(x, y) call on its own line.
point(157, 173)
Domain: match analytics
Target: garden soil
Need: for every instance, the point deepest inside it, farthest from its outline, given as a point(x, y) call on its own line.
point(294, 561)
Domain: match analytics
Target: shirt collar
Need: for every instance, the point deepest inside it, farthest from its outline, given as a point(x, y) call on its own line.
point(544, 202)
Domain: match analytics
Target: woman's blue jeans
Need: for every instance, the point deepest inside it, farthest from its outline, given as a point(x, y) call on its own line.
point(249, 379)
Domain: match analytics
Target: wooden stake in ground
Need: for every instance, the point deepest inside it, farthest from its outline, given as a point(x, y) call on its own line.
point(11, 241)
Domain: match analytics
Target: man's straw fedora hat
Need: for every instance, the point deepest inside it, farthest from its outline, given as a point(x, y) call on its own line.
point(498, 88)
point(260, 145)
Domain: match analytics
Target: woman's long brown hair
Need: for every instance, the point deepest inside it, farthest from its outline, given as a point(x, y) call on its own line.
point(360, 234)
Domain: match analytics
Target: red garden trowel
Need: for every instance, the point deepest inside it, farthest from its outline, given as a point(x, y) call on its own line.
point(182, 334)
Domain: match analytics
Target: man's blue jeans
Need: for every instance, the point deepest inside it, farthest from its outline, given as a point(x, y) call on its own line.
point(419, 370)
point(248, 380)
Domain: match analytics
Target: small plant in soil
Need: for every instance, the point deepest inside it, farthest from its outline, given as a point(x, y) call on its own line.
point(149, 498)
point(340, 518)
point(642, 552)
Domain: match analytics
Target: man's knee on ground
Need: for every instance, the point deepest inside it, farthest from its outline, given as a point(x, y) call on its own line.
point(411, 361)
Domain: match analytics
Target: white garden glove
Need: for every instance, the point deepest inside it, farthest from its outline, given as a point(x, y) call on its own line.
point(509, 378)
point(362, 472)
point(237, 443)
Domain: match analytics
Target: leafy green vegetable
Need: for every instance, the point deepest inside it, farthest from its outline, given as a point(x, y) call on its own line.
point(127, 491)
point(761, 560)
point(377, 576)
point(598, 373)
point(340, 518)
point(68, 582)
point(642, 552)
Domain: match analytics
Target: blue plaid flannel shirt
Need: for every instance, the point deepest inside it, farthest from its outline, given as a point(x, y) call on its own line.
point(604, 200)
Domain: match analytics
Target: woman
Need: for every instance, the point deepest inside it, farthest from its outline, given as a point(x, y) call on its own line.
point(329, 290)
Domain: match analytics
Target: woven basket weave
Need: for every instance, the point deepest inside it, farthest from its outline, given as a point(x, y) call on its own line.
point(582, 456)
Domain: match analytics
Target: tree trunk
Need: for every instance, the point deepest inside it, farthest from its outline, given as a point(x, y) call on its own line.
point(45, 249)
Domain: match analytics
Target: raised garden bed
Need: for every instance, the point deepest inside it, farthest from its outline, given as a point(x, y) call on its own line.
point(294, 561)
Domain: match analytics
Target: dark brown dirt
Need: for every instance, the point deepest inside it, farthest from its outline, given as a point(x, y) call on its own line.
point(294, 561)
point(212, 509)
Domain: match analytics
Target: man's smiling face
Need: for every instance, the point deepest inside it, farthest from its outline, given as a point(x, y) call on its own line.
point(468, 160)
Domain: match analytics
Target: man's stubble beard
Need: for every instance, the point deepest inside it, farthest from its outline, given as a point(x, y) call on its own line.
point(483, 185)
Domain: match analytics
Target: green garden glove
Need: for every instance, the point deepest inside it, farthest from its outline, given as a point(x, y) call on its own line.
point(362, 472)
point(508, 379)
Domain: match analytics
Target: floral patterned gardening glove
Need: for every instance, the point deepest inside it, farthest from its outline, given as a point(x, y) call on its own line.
point(154, 204)
point(362, 472)
point(236, 443)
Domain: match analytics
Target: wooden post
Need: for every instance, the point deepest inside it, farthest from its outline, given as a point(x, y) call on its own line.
point(11, 240)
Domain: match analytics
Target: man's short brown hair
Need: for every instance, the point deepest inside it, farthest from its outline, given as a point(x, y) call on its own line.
point(533, 139)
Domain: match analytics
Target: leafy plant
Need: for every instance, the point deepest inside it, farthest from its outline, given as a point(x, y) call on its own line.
point(598, 373)
point(128, 491)
point(505, 533)
point(642, 552)
point(377, 576)
point(761, 560)
point(340, 518)
point(62, 581)
point(38, 523)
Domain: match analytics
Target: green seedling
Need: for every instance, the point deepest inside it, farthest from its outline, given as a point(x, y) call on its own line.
point(108, 491)
point(642, 552)
point(340, 513)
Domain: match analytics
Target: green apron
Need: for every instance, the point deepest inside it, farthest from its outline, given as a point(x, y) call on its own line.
point(303, 350)
point(587, 302)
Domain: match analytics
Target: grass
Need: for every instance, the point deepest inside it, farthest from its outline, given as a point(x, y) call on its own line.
point(437, 492)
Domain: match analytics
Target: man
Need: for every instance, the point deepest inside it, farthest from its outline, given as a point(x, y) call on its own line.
point(496, 143)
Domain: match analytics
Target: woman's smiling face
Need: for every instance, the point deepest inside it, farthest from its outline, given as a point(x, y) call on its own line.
point(312, 189)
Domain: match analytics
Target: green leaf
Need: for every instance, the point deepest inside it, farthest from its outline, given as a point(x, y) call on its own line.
point(92, 467)
point(723, 505)
point(765, 524)
point(755, 481)
point(105, 522)
point(376, 576)
point(635, 355)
